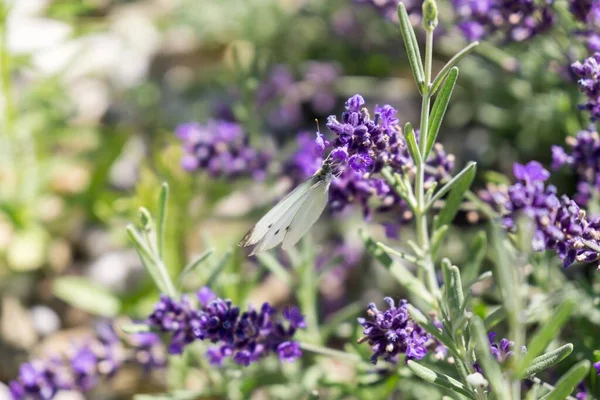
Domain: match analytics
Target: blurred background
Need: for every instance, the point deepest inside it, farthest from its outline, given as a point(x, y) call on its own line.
point(93, 92)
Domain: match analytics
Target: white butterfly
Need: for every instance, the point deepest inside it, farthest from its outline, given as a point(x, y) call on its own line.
point(293, 216)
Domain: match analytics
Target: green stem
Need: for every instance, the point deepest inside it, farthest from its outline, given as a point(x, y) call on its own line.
point(5, 67)
point(307, 296)
point(8, 117)
point(421, 214)
point(325, 351)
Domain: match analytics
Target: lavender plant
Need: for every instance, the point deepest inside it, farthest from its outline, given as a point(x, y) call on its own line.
point(441, 334)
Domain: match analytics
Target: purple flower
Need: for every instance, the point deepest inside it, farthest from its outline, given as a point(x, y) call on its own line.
point(361, 147)
point(511, 20)
point(305, 162)
point(295, 317)
point(282, 94)
point(148, 350)
point(40, 379)
point(205, 296)
point(559, 224)
point(584, 159)
point(582, 393)
point(589, 83)
point(100, 356)
point(289, 351)
point(532, 171)
point(389, 8)
point(176, 318)
point(245, 337)
point(597, 367)
point(217, 321)
point(220, 148)
point(503, 350)
point(393, 332)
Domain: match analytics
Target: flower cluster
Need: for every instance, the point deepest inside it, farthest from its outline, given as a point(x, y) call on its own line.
point(559, 224)
point(587, 12)
point(516, 20)
point(245, 337)
point(389, 8)
point(283, 95)
point(392, 332)
point(222, 149)
point(584, 158)
point(589, 83)
point(86, 364)
point(362, 143)
point(362, 146)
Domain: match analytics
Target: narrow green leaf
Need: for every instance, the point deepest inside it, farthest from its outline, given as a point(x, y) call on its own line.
point(439, 379)
point(449, 65)
point(439, 110)
point(547, 360)
point(268, 261)
point(135, 328)
point(195, 263)
point(448, 186)
point(475, 258)
point(412, 47)
point(394, 252)
point(456, 291)
point(401, 273)
point(86, 295)
point(486, 275)
point(567, 383)
point(214, 274)
point(154, 266)
point(411, 144)
point(491, 368)
point(430, 327)
point(494, 318)
point(162, 218)
point(437, 239)
point(546, 334)
point(457, 186)
point(506, 278)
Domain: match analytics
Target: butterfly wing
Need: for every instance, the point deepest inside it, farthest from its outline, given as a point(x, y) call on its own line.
point(308, 214)
point(277, 232)
point(276, 213)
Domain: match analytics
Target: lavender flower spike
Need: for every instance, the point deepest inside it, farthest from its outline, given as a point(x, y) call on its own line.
point(392, 332)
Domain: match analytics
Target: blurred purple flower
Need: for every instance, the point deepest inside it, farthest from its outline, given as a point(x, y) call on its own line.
point(289, 351)
point(99, 357)
point(513, 20)
point(282, 94)
point(589, 83)
point(220, 148)
point(389, 8)
point(584, 159)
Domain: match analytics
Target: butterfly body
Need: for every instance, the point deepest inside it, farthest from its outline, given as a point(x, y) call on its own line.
point(293, 216)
